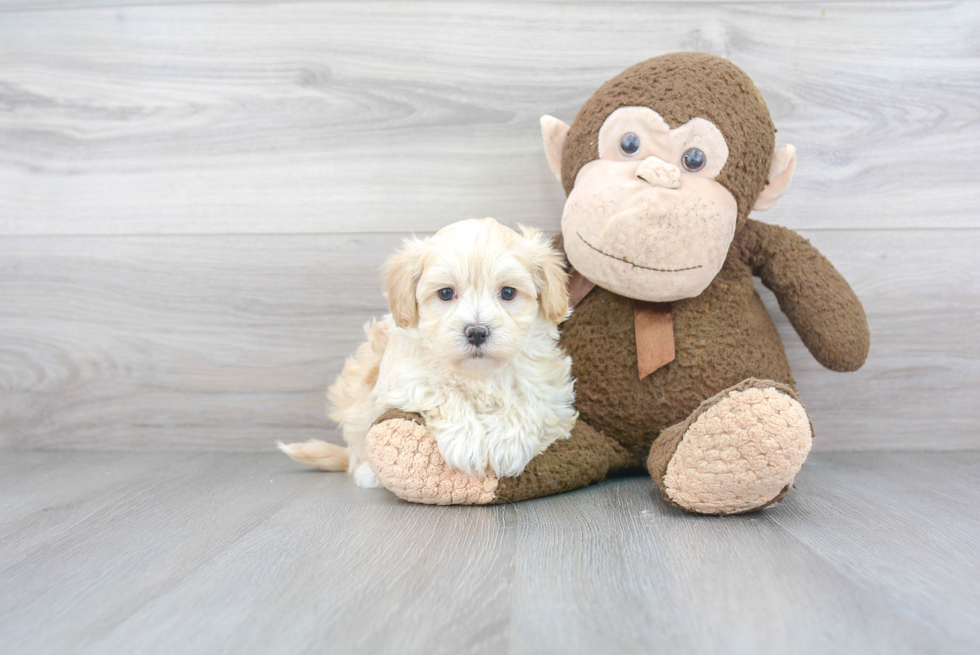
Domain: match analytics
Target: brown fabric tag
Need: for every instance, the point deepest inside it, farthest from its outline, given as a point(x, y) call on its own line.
point(654, 335)
point(579, 287)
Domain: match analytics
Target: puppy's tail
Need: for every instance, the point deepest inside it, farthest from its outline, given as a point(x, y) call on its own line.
point(324, 456)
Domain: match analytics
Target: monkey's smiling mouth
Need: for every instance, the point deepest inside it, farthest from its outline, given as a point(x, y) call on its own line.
point(626, 261)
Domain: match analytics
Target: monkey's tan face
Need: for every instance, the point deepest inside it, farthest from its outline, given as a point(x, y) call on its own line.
point(647, 220)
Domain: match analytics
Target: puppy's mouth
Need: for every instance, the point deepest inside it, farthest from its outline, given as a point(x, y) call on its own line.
point(646, 268)
point(483, 352)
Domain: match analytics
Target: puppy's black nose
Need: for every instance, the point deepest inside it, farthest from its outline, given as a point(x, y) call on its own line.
point(476, 334)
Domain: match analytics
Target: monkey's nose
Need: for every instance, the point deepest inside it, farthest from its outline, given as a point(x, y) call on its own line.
point(476, 334)
point(659, 173)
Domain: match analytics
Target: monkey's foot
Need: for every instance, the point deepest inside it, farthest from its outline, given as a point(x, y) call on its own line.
point(406, 459)
point(738, 452)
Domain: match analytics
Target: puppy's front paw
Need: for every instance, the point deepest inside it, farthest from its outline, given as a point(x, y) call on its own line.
point(406, 459)
point(365, 478)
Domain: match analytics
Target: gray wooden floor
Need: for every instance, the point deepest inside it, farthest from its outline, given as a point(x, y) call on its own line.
point(106, 552)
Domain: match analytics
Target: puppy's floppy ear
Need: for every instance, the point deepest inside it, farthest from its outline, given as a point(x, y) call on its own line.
point(549, 275)
point(401, 276)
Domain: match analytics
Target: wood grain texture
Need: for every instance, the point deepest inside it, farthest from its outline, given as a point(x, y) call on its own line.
point(47, 5)
point(230, 342)
point(242, 553)
point(921, 292)
point(354, 117)
point(196, 195)
point(213, 342)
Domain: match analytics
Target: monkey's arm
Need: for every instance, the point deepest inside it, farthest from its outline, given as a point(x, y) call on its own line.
point(587, 456)
point(816, 298)
point(406, 459)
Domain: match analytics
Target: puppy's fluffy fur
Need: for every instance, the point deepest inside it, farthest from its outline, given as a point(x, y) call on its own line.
point(491, 406)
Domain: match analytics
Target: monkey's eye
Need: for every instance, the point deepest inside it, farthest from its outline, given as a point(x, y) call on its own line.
point(508, 293)
point(629, 144)
point(694, 159)
point(446, 294)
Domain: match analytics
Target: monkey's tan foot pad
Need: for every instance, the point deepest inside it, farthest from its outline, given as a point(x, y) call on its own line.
point(406, 459)
point(739, 452)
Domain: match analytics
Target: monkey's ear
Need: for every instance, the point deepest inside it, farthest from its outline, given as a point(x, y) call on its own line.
point(401, 277)
point(780, 175)
point(554, 132)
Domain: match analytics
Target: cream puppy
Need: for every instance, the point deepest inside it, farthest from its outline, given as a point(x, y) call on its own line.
point(470, 344)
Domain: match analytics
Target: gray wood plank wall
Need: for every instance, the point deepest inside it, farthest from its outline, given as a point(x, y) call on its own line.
point(195, 197)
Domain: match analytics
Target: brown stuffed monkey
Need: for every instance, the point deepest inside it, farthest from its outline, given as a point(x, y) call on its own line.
point(679, 367)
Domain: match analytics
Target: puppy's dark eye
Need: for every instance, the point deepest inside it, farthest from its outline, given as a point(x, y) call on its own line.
point(629, 144)
point(694, 159)
point(508, 293)
point(446, 294)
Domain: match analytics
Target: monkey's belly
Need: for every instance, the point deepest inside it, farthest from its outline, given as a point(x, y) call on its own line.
point(721, 337)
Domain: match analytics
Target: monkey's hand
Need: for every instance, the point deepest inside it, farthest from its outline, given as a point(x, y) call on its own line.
point(406, 459)
point(816, 298)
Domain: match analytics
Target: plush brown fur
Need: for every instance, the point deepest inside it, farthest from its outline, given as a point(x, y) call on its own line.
point(682, 86)
point(712, 355)
point(415, 417)
point(723, 337)
point(585, 457)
